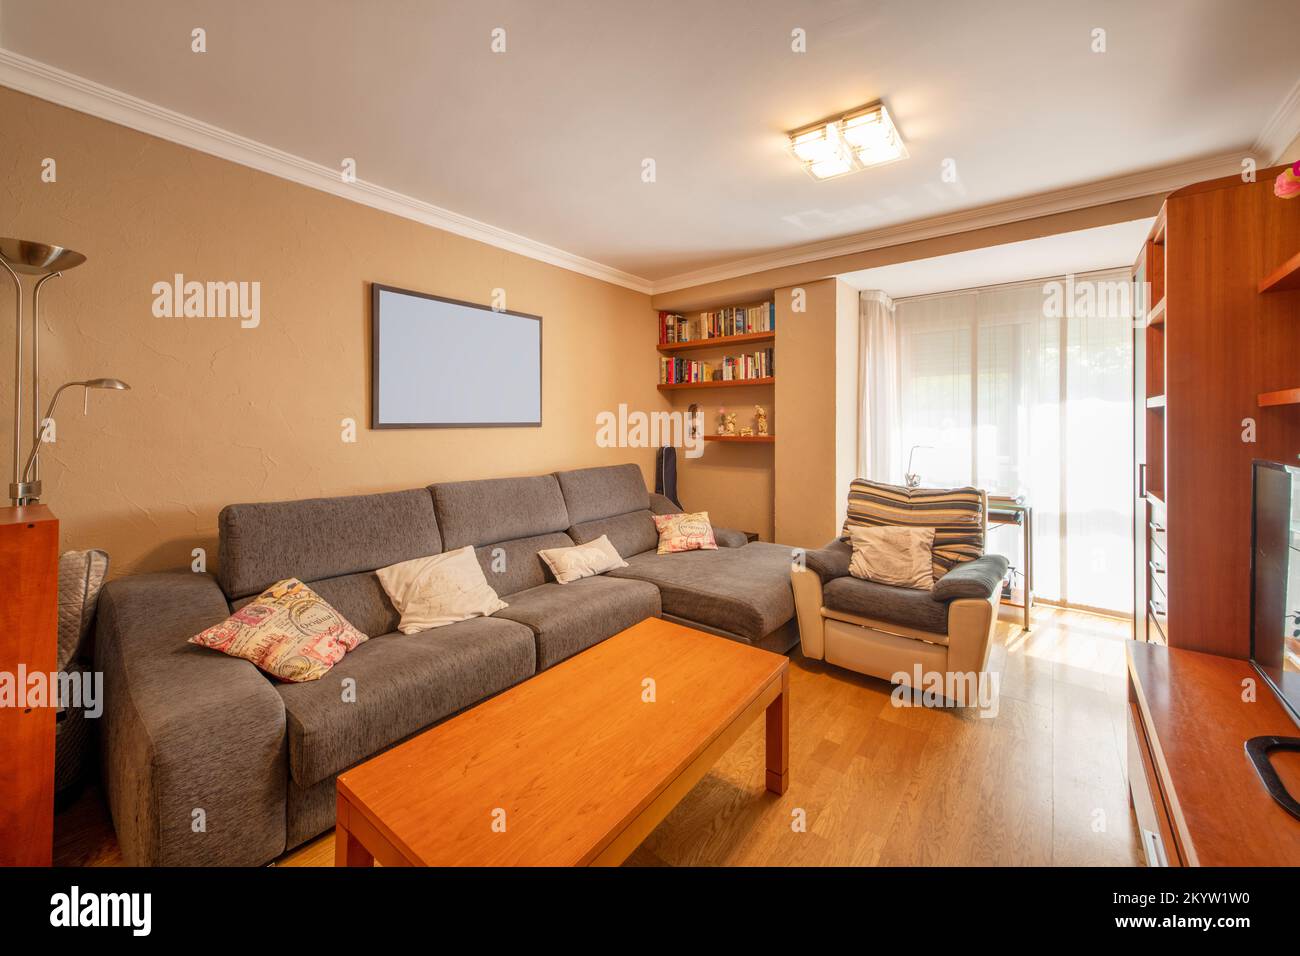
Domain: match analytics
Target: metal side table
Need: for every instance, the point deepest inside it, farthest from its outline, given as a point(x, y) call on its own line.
point(1004, 509)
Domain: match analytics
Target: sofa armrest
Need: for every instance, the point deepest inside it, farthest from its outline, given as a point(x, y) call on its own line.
point(728, 538)
point(663, 505)
point(186, 729)
point(971, 622)
point(807, 587)
point(979, 579)
point(830, 561)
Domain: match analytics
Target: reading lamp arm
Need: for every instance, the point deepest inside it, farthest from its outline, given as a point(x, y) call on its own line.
point(54, 400)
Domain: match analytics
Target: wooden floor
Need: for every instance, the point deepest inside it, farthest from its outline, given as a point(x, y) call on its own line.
point(1042, 783)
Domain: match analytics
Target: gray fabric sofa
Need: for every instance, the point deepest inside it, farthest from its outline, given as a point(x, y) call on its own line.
point(208, 761)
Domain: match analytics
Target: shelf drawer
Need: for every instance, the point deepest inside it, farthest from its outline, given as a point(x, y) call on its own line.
point(1159, 583)
point(1158, 621)
point(1148, 802)
point(1159, 536)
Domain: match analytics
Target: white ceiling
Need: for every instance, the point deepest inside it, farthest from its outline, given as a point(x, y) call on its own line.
point(547, 139)
point(1066, 253)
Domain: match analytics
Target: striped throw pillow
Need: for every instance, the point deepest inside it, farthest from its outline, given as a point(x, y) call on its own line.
point(956, 514)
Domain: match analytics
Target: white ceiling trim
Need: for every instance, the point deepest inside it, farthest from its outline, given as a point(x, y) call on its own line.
point(1281, 130)
point(86, 96)
point(1099, 193)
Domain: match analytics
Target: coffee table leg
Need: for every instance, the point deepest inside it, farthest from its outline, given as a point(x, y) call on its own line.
point(348, 850)
point(778, 738)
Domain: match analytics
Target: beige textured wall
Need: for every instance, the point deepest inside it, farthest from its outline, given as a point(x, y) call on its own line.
point(816, 448)
point(220, 414)
point(732, 482)
point(847, 430)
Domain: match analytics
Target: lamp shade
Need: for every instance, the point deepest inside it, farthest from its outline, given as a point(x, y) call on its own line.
point(38, 258)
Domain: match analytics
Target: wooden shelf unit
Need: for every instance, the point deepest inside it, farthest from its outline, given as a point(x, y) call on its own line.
point(1285, 278)
point(1286, 396)
point(29, 603)
point(734, 383)
point(743, 439)
point(1157, 314)
point(1196, 796)
point(1210, 348)
point(722, 341)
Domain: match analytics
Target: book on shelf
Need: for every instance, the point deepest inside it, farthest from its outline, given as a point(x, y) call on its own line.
point(741, 320)
point(730, 368)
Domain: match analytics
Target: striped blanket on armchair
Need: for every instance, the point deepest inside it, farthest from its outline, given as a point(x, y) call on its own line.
point(959, 517)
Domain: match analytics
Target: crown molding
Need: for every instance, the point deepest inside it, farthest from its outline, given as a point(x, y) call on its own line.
point(86, 96)
point(1115, 189)
point(1281, 130)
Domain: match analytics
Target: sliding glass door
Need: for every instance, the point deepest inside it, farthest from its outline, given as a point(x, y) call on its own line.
point(1025, 390)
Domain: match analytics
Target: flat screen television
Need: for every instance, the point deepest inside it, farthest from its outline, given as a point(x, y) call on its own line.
point(1275, 580)
point(442, 363)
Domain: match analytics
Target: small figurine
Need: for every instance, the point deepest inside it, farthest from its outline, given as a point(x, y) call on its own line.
point(728, 426)
point(746, 431)
point(722, 421)
point(760, 420)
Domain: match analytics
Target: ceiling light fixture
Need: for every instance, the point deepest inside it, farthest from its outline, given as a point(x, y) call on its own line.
point(862, 137)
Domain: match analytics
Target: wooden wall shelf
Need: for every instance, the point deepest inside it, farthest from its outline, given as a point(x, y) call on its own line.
point(743, 439)
point(1287, 396)
point(1157, 315)
point(734, 383)
point(1284, 278)
point(721, 341)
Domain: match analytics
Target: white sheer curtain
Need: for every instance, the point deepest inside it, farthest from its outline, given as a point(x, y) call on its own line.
point(997, 389)
point(878, 437)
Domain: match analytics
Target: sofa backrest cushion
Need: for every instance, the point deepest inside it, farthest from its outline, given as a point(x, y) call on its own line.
point(956, 514)
point(630, 534)
point(321, 538)
point(498, 509)
point(593, 493)
point(512, 566)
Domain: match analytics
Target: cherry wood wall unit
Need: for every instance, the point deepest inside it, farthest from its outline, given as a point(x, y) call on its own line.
point(1196, 796)
point(1211, 345)
point(29, 573)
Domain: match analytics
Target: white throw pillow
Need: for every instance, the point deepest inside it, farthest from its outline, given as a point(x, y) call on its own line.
point(583, 560)
point(439, 590)
point(892, 554)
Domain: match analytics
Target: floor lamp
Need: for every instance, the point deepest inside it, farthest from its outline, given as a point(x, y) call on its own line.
point(49, 262)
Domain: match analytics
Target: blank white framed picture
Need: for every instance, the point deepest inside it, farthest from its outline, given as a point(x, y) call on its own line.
point(443, 363)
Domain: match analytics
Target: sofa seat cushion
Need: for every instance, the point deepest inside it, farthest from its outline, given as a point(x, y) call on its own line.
point(743, 591)
point(910, 607)
point(568, 618)
point(402, 683)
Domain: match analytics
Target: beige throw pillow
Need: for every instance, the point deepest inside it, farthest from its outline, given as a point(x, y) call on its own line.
point(439, 590)
point(892, 554)
point(583, 560)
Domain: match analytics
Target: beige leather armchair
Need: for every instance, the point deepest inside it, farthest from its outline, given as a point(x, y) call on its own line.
point(887, 631)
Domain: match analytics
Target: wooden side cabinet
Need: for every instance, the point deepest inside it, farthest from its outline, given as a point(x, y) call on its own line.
point(1195, 793)
point(29, 580)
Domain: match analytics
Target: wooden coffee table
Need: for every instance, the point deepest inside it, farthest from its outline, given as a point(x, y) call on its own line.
point(573, 766)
